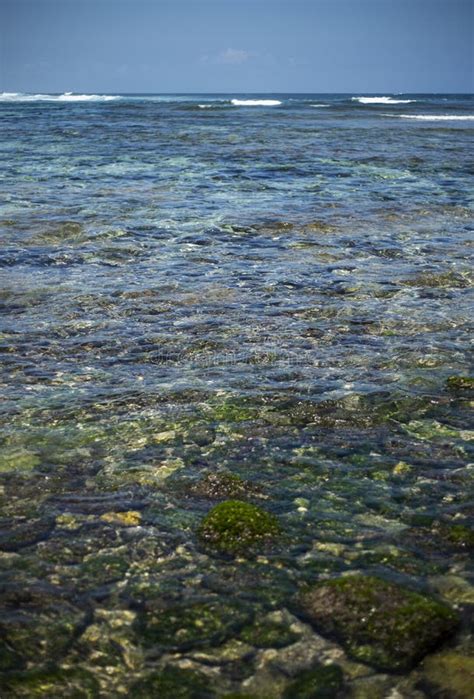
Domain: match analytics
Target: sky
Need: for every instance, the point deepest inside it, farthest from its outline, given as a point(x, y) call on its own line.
point(162, 46)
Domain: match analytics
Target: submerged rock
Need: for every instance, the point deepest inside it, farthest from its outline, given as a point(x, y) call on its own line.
point(450, 672)
point(223, 485)
point(321, 682)
point(268, 634)
point(17, 534)
point(378, 622)
point(459, 536)
point(51, 684)
point(460, 384)
point(236, 527)
point(172, 683)
point(131, 518)
point(187, 626)
point(432, 279)
point(36, 624)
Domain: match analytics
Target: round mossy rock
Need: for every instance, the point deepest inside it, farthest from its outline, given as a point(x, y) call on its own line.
point(237, 527)
point(378, 622)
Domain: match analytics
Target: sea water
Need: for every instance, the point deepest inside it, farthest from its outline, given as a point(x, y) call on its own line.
point(272, 287)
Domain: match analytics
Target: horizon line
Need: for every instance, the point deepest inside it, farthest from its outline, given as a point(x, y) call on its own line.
point(232, 92)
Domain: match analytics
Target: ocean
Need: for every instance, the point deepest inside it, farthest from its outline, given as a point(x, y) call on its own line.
point(255, 298)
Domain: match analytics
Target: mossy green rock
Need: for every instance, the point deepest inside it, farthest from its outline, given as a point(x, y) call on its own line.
point(183, 627)
point(321, 682)
point(378, 622)
point(237, 527)
point(172, 683)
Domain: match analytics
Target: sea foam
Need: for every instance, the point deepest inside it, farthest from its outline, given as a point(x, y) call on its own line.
point(255, 103)
point(65, 97)
point(380, 100)
point(435, 117)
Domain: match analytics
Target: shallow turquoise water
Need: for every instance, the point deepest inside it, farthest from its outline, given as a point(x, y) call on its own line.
point(188, 287)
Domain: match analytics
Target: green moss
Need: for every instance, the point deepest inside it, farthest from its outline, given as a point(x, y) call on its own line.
point(182, 627)
point(268, 634)
point(451, 672)
point(321, 682)
point(104, 568)
point(18, 460)
point(237, 527)
point(9, 659)
point(433, 280)
point(172, 683)
point(231, 411)
point(458, 534)
point(51, 684)
point(378, 622)
point(432, 429)
point(460, 383)
point(223, 485)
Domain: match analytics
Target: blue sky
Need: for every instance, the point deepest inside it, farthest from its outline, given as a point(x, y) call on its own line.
point(355, 46)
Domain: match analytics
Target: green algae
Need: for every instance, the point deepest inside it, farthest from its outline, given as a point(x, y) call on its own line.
point(433, 429)
point(237, 527)
point(460, 384)
point(320, 682)
point(268, 634)
point(103, 567)
point(172, 683)
point(450, 672)
point(185, 626)
point(18, 460)
point(43, 627)
point(230, 410)
point(449, 279)
point(459, 535)
point(51, 684)
point(378, 623)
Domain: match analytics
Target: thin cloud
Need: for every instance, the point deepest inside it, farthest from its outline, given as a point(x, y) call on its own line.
point(230, 57)
point(233, 56)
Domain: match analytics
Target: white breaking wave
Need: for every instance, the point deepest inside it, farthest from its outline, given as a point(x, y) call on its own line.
point(380, 100)
point(435, 117)
point(206, 106)
point(255, 103)
point(65, 97)
point(319, 105)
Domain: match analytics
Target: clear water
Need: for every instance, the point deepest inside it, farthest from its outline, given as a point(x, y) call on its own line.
point(190, 286)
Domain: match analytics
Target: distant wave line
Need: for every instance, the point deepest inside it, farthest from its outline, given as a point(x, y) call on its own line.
point(65, 97)
point(434, 117)
point(255, 103)
point(380, 100)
